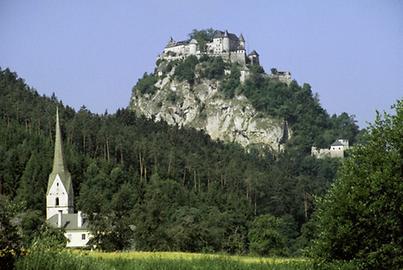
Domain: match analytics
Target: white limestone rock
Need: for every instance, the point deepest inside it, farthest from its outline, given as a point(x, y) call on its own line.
point(203, 107)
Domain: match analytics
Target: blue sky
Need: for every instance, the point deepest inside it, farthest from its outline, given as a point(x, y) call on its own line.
point(92, 52)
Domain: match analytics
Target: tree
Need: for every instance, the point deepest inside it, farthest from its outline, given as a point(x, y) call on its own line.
point(361, 217)
point(10, 239)
point(202, 37)
point(185, 71)
point(145, 85)
point(266, 236)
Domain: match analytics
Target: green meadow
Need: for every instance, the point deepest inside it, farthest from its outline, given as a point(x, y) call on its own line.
point(50, 260)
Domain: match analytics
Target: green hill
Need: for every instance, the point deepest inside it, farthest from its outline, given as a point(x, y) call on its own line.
point(177, 189)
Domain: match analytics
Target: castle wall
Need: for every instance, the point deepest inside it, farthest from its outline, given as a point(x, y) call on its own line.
point(244, 75)
point(238, 57)
point(335, 151)
point(283, 76)
point(216, 46)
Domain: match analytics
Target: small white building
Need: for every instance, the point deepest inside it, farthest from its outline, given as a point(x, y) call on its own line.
point(60, 199)
point(336, 150)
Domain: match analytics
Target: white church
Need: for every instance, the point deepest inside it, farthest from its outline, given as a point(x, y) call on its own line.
point(60, 199)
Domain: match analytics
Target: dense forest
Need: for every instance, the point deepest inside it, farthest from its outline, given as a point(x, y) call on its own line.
point(151, 186)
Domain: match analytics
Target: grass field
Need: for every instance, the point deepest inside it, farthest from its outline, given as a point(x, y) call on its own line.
point(49, 260)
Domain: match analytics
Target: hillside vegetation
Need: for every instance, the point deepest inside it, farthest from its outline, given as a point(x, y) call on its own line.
point(297, 105)
point(180, 189)
point(152, 186)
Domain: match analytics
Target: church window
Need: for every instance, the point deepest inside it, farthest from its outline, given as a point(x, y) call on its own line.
point(57, 201)
point(83, 236)
point(57, 184)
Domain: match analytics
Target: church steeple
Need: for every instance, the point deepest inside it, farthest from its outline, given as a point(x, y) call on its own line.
point(59, 195)
point(58, 159)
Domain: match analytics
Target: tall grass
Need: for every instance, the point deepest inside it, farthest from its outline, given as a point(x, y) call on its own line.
point(51, 260)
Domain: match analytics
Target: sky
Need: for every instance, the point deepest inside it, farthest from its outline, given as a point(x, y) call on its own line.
point(93, 52)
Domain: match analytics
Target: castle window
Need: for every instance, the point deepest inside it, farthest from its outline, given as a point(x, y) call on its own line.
point(57, 201)
point(83, 236)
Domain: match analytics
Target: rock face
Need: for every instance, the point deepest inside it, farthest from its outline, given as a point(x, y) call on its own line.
point(203, 107)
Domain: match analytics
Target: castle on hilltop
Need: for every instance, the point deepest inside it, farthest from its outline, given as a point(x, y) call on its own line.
point(227, 45)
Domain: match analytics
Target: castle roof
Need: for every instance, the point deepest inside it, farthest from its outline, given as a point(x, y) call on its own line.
point(241, 38)
point(253, 53)
point(69, 222)
point(221, 34)
point(177, 43)
point(59, 166)
point(170, 42)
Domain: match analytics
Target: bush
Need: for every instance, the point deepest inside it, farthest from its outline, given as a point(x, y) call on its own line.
point(185, 70)
point(214, 68)
point(146, 85)
point(231, 83)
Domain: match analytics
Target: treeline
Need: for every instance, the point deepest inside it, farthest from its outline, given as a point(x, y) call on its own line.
point(151, 186)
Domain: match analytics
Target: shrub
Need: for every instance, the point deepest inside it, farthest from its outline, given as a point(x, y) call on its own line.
point(231, 83)
point(214, 68)
point(146, 85)
point(185, 70)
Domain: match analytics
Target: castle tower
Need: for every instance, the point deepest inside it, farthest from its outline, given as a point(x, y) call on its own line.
point(254, 58)
point(59, 195)
point(241, 42)
point(225, 42)
point(170, 43)
point(193, 46)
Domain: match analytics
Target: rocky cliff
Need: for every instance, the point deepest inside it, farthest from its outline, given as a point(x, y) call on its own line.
point(202, 106)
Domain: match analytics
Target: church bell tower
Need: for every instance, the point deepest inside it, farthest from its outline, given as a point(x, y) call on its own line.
point(59, 194)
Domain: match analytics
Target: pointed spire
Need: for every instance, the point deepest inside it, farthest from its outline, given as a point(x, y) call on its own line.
point(226, 33)
point(58, 159)
point(241, 38)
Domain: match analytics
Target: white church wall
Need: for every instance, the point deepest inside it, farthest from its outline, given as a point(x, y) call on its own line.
point(77, 238)
point(57, 191)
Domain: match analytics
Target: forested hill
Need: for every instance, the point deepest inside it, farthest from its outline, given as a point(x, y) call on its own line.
point(237, 102)
point(175, 188)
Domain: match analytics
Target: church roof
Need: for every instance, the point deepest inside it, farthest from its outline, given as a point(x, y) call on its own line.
point(59, 166)
point(337, 143)
point(69, 222)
